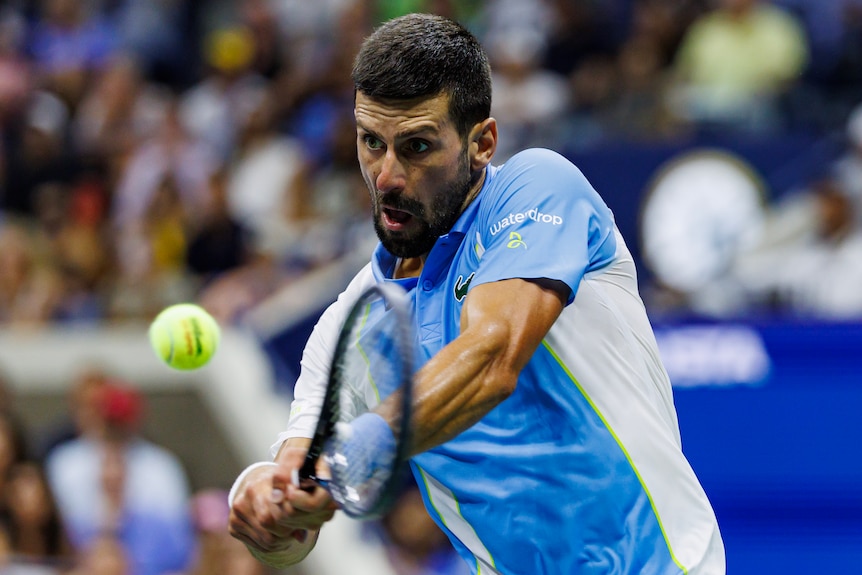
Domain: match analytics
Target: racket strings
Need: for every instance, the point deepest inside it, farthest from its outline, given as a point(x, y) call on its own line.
point(372, 367)
point(373, 363)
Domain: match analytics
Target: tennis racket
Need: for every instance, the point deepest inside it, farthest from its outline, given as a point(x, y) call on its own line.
point(373, 362)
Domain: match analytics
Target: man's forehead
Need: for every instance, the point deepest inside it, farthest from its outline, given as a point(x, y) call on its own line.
point(433, 108)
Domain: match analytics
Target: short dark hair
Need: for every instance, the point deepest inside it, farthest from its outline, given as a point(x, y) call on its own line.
point(423, 56)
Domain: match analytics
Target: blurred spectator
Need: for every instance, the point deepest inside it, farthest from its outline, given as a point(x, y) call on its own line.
point(311, 31)
point(808, 261)
point(15, 69)
point(221, 243)
point(586, 122)
point(219, 553)
point(214, 109)
point(735, 61)
point(331, 218)
point(527, 97)
point(639, 110)
point(82, 251)
point(13, 449)
point(5, 545)
point(167, 176)
point(578, 30)
point(35, 526)
point(270, 56)
point(828, 26)
point(848, 168)
point(69, 42)
point(30, 287)
point(83, 417)
point(665, 23)
point(642, 109)
point(174, 152)
point(809, 258)
point(37, 153)
point(117, 482)
point(462, 10)
point(313, 104)
point(165, 224)
point(119, 110)
point(157, 35)
point(104, 555)
point(296, 223)
point(267, 183)
point(7, 394)
point(339, 193)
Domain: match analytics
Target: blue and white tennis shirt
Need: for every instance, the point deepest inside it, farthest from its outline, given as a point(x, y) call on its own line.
point(580, 471)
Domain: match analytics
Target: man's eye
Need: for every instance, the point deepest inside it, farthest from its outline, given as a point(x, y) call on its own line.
point(372, 143)
point(417, 146)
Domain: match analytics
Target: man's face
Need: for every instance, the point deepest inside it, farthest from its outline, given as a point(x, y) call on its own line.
point(416, 169)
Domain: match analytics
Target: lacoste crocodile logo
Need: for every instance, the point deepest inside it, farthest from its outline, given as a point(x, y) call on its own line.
point(462, 285)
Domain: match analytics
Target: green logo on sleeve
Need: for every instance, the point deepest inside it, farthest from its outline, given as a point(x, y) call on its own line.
point(461, 286)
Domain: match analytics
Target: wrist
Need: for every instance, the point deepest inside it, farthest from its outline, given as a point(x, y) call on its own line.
point(372, 428)
point(241, 477)
point(360, 449)
point(295, 551)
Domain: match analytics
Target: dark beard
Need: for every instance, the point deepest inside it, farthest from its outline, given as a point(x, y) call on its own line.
point(434, 222)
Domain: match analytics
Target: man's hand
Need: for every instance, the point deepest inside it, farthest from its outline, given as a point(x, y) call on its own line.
point(277, 520)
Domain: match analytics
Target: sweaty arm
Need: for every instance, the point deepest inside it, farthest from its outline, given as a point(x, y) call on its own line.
point(278, 521)
point(502, 324)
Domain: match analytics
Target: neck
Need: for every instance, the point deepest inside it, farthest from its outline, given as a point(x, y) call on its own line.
point(409, 267)
point(478, 182)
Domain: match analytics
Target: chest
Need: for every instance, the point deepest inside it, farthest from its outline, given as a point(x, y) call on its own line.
point(441, 290)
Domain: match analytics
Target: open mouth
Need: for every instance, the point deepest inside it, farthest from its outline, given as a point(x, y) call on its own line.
point(396, 219)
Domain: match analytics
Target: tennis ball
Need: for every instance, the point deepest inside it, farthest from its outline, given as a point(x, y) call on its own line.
point(184, 336)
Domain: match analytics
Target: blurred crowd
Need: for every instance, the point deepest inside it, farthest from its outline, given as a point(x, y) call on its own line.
point(89, 494)
point(152, 152)
point(155, 151)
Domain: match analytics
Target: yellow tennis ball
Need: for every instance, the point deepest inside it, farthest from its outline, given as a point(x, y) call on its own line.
point(184, 336)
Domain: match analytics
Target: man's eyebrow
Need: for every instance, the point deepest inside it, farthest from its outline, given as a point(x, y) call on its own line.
point(406, 134)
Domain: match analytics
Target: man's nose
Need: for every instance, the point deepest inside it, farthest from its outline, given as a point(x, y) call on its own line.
point(392, 174)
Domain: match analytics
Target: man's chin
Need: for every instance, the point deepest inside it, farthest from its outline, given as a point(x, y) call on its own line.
point(405, 247)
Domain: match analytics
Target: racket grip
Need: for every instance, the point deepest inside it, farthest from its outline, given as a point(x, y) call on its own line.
point(309, 466)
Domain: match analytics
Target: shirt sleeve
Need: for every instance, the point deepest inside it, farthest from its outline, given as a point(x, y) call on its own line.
point(316, 357)
point(543, 219)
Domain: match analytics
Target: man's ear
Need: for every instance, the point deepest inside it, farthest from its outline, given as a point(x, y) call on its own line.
point(483, 144)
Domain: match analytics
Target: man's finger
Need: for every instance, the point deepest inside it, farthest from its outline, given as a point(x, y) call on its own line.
point(310, 501)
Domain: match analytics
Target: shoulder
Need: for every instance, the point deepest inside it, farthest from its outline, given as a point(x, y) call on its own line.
point(154, 460)
point(537, 158)
point(70, 452)
point(538, 172)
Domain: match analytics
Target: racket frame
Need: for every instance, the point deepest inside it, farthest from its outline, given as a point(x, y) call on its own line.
point(398, 303)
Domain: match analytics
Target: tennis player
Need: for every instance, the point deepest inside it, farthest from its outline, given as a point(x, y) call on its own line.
point(546, 439)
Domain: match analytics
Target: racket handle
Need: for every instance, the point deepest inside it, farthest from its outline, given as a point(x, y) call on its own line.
point(306, 478)
point(309, 466)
